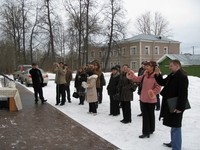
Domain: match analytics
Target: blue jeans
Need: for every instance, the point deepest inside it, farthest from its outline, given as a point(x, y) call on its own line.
point(176, 138)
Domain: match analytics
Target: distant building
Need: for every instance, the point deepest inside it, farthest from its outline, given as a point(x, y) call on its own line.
point(133, 51)
point(190, 63)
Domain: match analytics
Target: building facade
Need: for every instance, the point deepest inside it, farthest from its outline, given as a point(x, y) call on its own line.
point(133, 51)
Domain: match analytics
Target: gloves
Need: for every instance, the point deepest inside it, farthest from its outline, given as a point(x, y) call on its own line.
point(130, 74)
point(84, 84)
point(151, 94)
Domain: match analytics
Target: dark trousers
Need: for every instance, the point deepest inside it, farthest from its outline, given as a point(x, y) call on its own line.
point(126, 110)
point(38, 90)
point(114, 106)
point(140, 106)
point(82, 99)
point(148, 118)
point(100, 94)
point(60, 91)
point(92, 107)
point(68, 93)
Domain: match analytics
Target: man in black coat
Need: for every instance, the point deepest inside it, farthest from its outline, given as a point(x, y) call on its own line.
point(175, 85)
point(37, 81)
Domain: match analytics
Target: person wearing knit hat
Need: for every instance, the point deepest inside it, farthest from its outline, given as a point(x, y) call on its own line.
point(114, 68)
point(118, 67)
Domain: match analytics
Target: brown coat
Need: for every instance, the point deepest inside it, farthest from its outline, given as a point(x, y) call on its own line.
point(98, 82)
point(91, 89)
point(68, 77)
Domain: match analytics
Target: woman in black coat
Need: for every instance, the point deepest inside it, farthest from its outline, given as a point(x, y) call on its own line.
point(80, 77)
point(112, 90)
point(126, 88)
point(175, 85)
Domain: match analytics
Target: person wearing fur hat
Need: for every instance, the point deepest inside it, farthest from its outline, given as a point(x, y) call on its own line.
point(91, 94)
point(150, 88)
point(112, 91)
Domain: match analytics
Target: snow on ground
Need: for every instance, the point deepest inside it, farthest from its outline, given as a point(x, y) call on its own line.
point(125, 136)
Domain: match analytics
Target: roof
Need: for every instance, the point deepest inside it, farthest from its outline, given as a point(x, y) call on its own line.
point(183, 58)
point(146, 37)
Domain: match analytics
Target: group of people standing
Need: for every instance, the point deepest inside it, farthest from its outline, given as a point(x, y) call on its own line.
point(123, 82)
point(89, 82)
point(120, 90)
point(174, 85)
point(63, 77)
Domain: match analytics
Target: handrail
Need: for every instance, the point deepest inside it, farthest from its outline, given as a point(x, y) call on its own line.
point(5, 76)
point(4, 79)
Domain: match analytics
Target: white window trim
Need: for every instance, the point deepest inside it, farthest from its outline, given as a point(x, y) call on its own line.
point(92, 54)
point(133, 50)
point(100, 54)
point(165, 50)
point(147, 50)
point(158, 50)
point(123, 51)
point(131, 66)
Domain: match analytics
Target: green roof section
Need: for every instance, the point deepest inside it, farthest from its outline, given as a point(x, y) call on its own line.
point(185, 59)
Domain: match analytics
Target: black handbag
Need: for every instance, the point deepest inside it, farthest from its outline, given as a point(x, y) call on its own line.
point(172, 102)
point(75, 95)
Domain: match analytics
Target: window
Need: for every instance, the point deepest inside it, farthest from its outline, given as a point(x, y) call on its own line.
point(100, 54)
point(102, 65)
point(156, 51)
point(133, 50)
point(123, 51)
point(133, 64)
point(114, 53)
point(92, 54)
point(111, 53)
point(165, 50)
point(147, 50)
point(118, 52)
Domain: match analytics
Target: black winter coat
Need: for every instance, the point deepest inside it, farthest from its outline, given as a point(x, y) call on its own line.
point(175, 85)
point(37, 78)
point(126, 88)
point(80, 77)
point(112, 85)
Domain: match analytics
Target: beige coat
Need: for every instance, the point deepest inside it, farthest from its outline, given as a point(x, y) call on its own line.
point(91, 89)
point(60, 75)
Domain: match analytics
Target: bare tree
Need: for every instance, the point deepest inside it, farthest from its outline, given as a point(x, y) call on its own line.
point(10, 27)
point(24, 23)
point(84, 22)
point(15, 25)
point(115, 26)
point(154, 24)
point(47, 4)
point(33, 32)
point(74, 10)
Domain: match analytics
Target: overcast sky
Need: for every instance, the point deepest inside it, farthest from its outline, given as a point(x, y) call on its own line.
point(183, 17)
